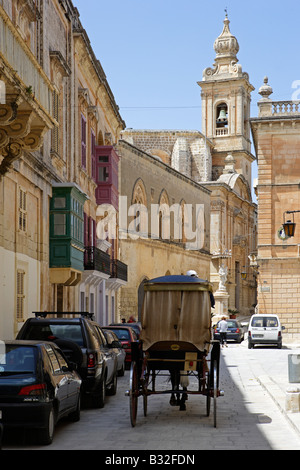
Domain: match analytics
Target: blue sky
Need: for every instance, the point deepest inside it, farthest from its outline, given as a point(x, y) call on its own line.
point(153, 52)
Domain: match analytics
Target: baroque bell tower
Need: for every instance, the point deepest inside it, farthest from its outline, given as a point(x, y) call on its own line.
point(226, 101)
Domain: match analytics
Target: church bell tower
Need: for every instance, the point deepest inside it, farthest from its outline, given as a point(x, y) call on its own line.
point(226, 101)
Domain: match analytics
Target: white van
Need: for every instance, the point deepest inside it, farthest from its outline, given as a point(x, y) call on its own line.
point(264, 329)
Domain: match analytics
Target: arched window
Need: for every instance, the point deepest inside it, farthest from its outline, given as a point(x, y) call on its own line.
point(222, 119)
point(164, 216)
point(139, 208)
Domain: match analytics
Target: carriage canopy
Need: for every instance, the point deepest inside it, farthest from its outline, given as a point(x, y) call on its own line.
point(177, 308)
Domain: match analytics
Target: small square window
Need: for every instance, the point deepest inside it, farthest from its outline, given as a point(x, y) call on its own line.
point(59, 202)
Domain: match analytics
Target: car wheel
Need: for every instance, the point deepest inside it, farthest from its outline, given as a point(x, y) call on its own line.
point(46, 433)
point(122, 370)
point(75, 415)
point(250, 345)
point(113, 385)
point(99, 399)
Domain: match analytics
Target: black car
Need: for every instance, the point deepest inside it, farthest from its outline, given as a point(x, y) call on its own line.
point(37, 387)
point(235, 331)
point(82, 341)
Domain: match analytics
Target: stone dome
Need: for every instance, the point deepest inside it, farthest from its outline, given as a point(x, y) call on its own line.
point(226, 45)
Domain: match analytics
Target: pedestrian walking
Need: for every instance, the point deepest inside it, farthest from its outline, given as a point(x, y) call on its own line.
point(223, 331)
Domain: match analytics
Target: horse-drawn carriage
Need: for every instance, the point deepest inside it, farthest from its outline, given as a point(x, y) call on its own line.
point(175, 341)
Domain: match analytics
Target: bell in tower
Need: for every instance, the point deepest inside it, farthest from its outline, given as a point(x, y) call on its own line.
point(222, 120)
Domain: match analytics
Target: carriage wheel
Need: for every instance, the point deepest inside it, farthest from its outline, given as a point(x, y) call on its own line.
point(145, 403)
point(133, 393)
point(208, 397)
point(145, 388)
point(215, 394)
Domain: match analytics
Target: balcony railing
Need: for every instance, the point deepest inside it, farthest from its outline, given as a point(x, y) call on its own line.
point(222, 131)
point(96, 260)
point(23, 62)
point(118, 269)
point(286, 107)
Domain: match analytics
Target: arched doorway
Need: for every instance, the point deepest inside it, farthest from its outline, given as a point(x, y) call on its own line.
point(141, 297)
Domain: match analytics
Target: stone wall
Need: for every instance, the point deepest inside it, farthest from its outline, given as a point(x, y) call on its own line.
point(149, 257)
point(186, 151)
point(277, 142)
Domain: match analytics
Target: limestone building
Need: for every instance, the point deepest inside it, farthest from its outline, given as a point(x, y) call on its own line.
point(58, 124)
point(219, 158)
point(276, 135)
point(164, 223)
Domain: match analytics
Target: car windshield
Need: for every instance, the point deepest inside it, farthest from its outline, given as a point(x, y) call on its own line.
point(122, 334)
point(264, 322)
point(17, 359)
point(49, 332)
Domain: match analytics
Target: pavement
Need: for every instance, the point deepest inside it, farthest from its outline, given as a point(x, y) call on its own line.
point(275, 379)
point(284, 393)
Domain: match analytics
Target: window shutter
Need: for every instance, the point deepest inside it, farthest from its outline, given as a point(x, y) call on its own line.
point(22, 211)
point(83, 141)
point(86, 229)
point(20, 295)
point(93, 155)
point(55, 131)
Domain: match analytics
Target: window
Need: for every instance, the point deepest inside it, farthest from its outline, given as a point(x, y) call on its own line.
point(20, 294)
point(61, 360)
point(55, 130)
point(22, 210)
point(222, 119)
point(103, 174)
point(83, 141)
point(59, 224)
point(59, 203)
point(93, 154)
point(53, 359)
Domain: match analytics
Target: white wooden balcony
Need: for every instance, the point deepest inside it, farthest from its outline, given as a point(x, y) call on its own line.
point(26, 96)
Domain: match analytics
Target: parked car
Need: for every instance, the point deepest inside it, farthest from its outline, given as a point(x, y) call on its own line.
point(37, 387)
point(126, 336)
point(114, 343)
point(98, 364)
point(135, 325)
point(235, 331)
point(265, 329)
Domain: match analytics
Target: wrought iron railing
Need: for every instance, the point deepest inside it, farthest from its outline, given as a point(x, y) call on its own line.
point(97, 260)
point(119, 269)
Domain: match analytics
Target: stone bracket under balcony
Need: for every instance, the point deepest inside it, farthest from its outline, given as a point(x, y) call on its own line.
point(21, 129)
point(65, 276)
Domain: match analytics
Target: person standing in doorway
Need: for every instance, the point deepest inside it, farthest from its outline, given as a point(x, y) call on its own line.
point(223, 331)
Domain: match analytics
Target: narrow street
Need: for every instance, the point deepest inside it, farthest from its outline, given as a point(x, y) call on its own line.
point(247, 417)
